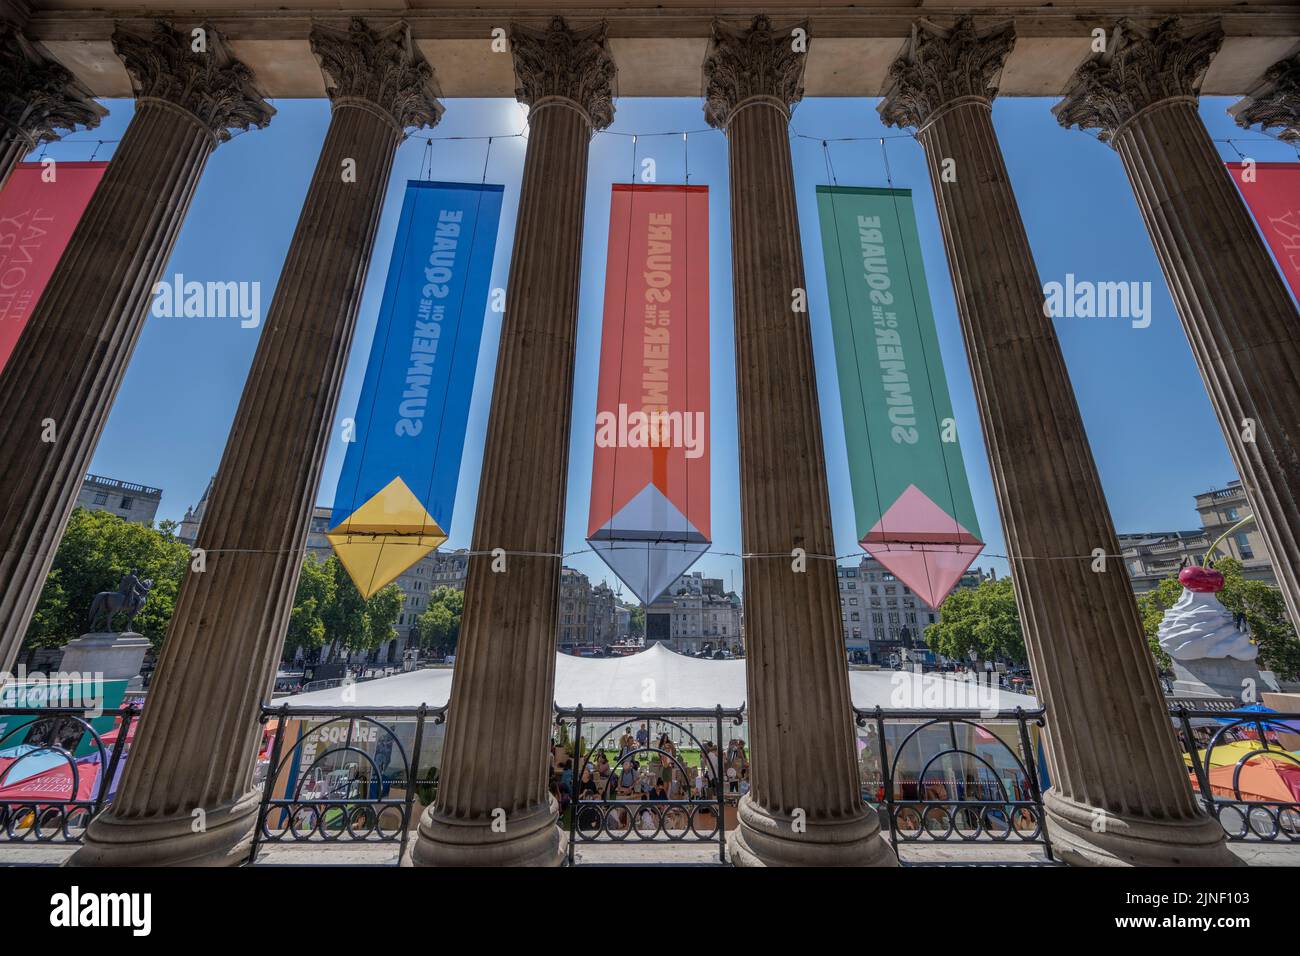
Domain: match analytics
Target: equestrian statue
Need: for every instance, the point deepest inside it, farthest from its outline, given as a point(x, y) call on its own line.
point(128, 599)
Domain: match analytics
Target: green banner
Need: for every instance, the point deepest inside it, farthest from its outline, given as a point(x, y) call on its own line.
point(911, 495)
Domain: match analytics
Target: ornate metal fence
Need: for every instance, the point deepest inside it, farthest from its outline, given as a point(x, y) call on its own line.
point(613, 812)
point(1223, 789)
point(334, 783)
point(952, 776)
point(48, 794)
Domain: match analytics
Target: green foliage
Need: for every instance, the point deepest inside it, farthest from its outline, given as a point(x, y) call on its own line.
point(439, 625)
point(984, 619)
point(1266, 618)
point(316, 589)
point(97, 549)
point(328, 608)
point(636, 626)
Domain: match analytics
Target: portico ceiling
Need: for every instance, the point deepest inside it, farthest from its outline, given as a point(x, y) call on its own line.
point(659, 48)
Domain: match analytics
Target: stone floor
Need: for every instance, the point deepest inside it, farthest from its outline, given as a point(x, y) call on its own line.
point(655, 854)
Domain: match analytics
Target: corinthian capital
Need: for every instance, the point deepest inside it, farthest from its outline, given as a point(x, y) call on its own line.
point(1140, 67)
point(940, 65)
point(379, 67)
point(39, 96)
point(207, 82)
point(756, 62)
point(1274, 102)
point(573, 64)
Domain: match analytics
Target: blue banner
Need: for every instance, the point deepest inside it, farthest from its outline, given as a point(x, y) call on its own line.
point(395, 495)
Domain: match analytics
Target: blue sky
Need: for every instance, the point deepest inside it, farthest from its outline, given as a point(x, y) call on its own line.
point(1152, 431)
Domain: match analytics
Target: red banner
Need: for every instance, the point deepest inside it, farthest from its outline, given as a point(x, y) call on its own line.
point(39, 208)
point(1272, 191)
point(649, 517)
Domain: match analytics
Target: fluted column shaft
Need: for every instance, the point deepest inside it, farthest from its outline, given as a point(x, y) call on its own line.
point(196, 746)
point(1119, 793)
point(493, 806)
point(1111, 752)
point(800, 712)
point(805, 804)
point(495, 755)
point(1235, 309)
point(60, 381)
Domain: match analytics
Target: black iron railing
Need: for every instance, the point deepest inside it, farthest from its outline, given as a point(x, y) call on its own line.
point(973, 786)
point(339, 794)
point(44, 800)
point(1242, 814)
point(610, 816)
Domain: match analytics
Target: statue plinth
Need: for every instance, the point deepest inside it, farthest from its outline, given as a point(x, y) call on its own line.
point(1221, 677)
point(116, 655)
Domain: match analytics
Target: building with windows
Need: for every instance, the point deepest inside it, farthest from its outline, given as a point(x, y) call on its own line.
point(1153, 556)
point(138, 503)
point(882, 617)
point(696, 614)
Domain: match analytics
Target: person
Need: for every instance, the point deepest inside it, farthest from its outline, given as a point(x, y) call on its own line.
point(626, 780)
point(660, 792)
point(700, 781)
point(643, 735)
point(744, 781)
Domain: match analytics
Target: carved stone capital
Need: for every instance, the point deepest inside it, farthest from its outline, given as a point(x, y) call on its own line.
point(1273, 102)
point(1140, 67)
point(207, 82)
point(380, 67)
point(744, 63)
point(39, 96)
point(573, 64)
point(939, 65)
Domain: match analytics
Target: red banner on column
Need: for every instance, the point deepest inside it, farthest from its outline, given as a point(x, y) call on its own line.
point(37, 216)
point(1273, 195)
point(649, 517)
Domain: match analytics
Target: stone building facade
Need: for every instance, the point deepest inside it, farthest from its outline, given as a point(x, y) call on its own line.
point(696, 614)
point(1154, 556)
point(126, 499)
point(882, 617)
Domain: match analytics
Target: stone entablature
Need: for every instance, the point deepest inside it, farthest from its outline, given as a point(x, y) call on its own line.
point(659, 49)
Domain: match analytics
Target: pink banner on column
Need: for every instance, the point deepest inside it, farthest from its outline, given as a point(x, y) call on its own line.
point(39, 208)
point(1272, 191)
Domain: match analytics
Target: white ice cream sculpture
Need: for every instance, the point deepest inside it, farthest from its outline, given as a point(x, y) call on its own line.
point(1198, 626)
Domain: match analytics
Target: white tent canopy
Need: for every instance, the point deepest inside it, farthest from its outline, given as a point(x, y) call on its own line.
point(662, 679)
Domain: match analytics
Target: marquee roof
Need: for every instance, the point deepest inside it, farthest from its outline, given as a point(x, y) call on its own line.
point(679, 682)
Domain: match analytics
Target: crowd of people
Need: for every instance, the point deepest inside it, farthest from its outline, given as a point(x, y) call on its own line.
point(647, 769)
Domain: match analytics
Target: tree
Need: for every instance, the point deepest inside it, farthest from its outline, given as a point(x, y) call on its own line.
point(1262, 604)
point(316, 589)
point(97, 549)
point(355, 623)
point(982, 619)
point(636, 622)
point(439, 625)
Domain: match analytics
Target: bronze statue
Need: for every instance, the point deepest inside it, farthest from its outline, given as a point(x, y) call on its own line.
point(128, 599)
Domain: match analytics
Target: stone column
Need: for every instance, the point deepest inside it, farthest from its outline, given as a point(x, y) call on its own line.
point(197, 741)
point(59, 383)
point(39, 98)
point(1119, 790)
point(1274, 102)
point(805, 806)
point(495, 759)
point(1234, 305)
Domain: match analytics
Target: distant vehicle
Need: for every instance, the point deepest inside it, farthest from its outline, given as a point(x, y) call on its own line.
point(449, 659)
